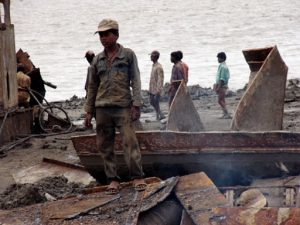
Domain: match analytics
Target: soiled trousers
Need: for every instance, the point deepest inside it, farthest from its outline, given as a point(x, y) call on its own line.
point(107, 120)
point(154, 101)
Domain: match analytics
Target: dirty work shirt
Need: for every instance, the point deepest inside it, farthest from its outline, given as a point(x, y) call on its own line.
point(156, 79)
point(223, 74)
point(110, 86)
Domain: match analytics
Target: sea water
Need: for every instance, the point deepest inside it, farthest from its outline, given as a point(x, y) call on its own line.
point(57, 33)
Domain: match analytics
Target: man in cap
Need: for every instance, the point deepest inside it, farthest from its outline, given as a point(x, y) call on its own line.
point(114, 71)
point(156, 84)
point(89, 55)
point(221, 84)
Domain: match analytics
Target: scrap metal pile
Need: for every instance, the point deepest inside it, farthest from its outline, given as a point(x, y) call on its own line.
point(188, 200)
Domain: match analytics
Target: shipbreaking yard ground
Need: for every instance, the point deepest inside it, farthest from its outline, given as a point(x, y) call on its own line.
point(217, 177)
point(30, 156)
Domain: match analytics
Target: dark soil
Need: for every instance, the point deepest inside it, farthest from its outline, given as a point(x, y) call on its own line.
point(18, 195)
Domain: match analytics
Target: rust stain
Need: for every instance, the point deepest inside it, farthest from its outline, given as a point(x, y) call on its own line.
point(268, 78)
point(158, 142)
point(198, 195)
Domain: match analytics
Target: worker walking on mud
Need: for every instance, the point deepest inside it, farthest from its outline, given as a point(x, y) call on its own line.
point(156, 84)
point(221, 84)
point(114, 71)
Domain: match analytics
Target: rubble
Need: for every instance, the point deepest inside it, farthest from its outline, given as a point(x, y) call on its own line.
point(18, 195)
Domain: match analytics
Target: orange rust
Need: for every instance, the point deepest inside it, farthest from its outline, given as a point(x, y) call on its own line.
point(198, 195)
point(261, 106)
point(166, 153)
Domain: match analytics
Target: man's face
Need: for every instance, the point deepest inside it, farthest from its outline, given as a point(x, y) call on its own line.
point(220, 60)
point(153, 57)
point(108, 39)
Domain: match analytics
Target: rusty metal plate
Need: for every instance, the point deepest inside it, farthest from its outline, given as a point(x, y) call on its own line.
point(50, 167)
point(198, 195)
point(261, 107)
point(158, 192)
point(75, 207)
point(183, 117)
point(78, 210)
point(168, 142)
point(246, 155)
point(94, 208)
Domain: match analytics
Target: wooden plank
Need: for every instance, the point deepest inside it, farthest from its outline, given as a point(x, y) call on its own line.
point(261, 106)
point(8, 69)
point(183, 115)
point(198, 195)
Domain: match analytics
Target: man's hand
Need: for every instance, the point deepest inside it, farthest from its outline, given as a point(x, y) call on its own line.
point(135, 113)
point(88, 120)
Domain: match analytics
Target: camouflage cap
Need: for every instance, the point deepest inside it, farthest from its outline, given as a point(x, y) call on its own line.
point(107, 24)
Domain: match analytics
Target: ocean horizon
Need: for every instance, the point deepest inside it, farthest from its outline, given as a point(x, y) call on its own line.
point(57, 35)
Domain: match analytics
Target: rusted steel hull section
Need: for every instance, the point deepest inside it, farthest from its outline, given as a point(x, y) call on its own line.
point(17, 123)
point(197, 201)
point(225, 157)
point(99, 208)
point(204, 204)
point(261, 107)
point(183, 115)
point(198, 194)
point(255, 59)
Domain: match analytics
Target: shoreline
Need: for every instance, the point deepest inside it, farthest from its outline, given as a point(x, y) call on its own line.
point(59, 147)
point(205, 101)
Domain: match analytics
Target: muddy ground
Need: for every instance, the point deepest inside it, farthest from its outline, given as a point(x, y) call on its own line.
point(59, 147)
